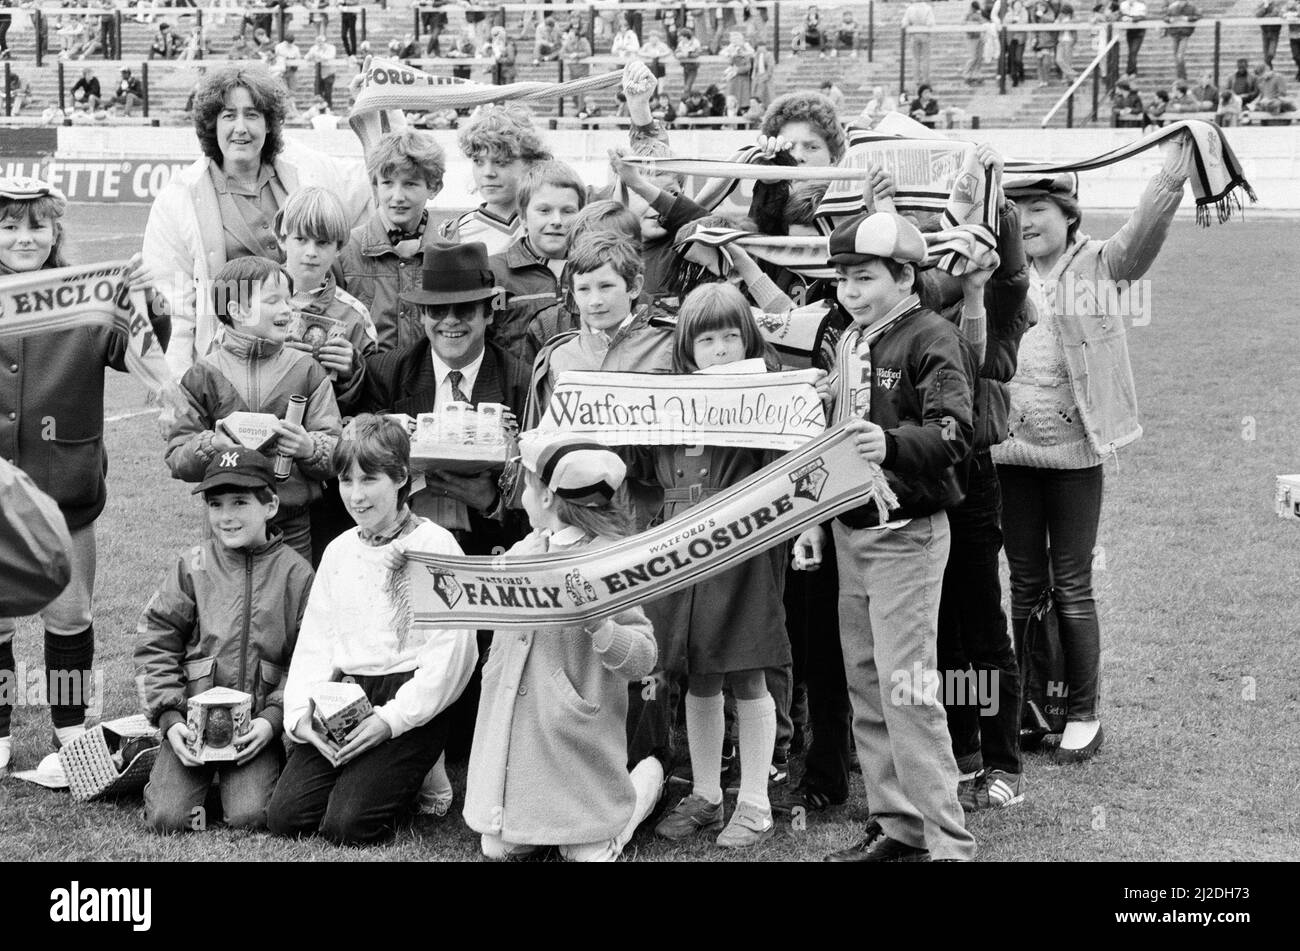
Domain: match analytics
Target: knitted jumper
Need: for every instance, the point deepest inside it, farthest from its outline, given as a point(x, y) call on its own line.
point(1044, 427)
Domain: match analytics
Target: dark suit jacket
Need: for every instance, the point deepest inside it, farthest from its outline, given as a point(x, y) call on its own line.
point(403, 381)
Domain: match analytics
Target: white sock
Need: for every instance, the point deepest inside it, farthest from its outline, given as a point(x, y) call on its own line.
point(435, 791)
point(6, 751)
point(756, 723)
point(436, 782)
point(705, 725)
point(66, 734)
point(648, 780)
point(1079, 733)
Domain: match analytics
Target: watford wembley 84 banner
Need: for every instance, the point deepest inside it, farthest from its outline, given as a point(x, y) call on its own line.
point(750, 410)
point(802, 488)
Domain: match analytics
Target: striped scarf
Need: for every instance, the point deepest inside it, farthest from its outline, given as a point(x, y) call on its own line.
point(389, 88)
point(935, 176)
point(956, 250)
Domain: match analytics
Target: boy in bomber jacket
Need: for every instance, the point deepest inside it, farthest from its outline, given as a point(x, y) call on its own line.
point(906, 373)
point(251, 370)
point(227, 615)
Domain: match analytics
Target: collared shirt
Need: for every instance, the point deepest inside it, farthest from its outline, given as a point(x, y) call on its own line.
point(568, 535)
point(248, 215)
point(469, 375)
point(603, 339)
point(482, 225)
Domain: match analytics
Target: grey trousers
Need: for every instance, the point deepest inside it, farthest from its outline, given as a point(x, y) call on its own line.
point(890, 582)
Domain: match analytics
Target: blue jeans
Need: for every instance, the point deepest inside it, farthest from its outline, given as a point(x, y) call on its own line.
point(174, 796)
point(890, 582)
point(1049, 521)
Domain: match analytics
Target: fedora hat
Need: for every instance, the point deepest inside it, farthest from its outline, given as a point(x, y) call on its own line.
point(454, 274)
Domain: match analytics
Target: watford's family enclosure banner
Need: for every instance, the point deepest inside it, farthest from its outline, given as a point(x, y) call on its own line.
point(751, 410)
point(802, 488)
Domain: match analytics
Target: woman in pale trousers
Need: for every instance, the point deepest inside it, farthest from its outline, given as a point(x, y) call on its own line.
point(1065, 44)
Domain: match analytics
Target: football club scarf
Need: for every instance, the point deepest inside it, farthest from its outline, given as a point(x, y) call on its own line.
point(390, 88)
point(802, 488)
point(957, 250)
point(90, 295)
point(934, 176)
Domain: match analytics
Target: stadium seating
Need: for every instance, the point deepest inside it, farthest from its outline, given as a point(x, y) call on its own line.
point(878, 63)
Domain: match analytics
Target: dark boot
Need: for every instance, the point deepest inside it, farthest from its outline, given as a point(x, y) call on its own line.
point(68, 668)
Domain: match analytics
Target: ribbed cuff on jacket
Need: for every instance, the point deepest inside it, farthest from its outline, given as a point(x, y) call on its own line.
point(274, 715)
point(169, 719)
point(318, 466)
point(891, 451)
point(203, 449)
point(613, 642)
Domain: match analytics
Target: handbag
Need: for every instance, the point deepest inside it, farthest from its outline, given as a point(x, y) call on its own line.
point(1046, 690)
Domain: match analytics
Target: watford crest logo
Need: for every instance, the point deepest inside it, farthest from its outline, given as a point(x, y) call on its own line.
point(809, 480)
point(579, 588)
point(446, 586)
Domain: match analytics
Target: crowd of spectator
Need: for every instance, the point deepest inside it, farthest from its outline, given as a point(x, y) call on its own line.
point(736, 31)
point(1248, 96)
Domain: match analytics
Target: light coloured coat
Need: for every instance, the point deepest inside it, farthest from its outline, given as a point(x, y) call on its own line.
point(549, 760)
point(1094, 340)
point(184, 240)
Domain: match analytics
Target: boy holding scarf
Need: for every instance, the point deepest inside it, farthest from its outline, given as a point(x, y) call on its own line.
point(905, 373)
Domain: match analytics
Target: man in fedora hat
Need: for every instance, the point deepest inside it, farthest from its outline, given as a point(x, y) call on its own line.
point(453, 362)
point(455, 303)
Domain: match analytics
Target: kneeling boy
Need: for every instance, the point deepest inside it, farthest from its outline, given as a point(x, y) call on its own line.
point(227, 615)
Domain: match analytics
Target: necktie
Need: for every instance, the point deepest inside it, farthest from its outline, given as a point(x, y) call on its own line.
point(457, 394)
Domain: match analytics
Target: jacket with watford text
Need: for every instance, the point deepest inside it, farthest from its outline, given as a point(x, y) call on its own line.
point(921, 398)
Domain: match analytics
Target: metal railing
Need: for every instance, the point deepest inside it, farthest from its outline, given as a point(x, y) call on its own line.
point(1083, 29)
point(1093, 69)
point(119, 15)
point(769, 14)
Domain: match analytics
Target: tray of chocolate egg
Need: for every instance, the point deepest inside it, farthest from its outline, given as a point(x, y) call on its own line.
point(461, 438)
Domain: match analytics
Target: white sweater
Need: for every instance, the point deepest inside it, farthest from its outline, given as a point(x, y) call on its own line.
point(347, 628)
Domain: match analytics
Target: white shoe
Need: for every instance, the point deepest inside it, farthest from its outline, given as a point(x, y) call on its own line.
point(6, 752)
point(434, 804)
point(648, 780)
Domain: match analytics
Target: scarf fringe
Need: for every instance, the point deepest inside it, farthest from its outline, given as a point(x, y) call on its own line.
point(886, 500)
point(1224, 206)
point(397, 586)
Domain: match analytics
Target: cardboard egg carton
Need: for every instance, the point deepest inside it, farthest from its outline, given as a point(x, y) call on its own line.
point(217, 717)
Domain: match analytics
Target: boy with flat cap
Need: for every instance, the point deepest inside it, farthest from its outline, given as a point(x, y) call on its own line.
point(903, 377)
point(226, 615)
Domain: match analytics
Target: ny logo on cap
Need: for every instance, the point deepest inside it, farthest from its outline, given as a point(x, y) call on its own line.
point(228, 460)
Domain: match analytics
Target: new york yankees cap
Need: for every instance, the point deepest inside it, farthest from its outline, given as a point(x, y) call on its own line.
point(241, 468)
